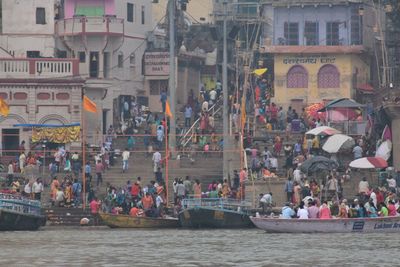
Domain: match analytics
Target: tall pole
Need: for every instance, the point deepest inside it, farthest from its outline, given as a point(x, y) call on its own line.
point(83, 140)
point(172, 73)
point(226, 146)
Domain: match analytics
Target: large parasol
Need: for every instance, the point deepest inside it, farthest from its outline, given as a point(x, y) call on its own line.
point(338, 142)
point(317, 164)
point(369, 163)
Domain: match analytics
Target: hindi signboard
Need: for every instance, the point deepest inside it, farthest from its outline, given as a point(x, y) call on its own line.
point(156, 63)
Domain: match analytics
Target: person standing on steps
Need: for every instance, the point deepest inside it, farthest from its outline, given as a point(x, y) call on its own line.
point(99, 171)
point(125, 158)
point(188, 115)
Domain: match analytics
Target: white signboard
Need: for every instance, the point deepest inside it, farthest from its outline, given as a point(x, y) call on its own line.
point(156, 63)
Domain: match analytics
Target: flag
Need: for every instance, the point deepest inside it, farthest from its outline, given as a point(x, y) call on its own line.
point(243, 111)
point(89, 105)
point(387, 134)
point(260, 72)
point(4, 108)
point(168, 109)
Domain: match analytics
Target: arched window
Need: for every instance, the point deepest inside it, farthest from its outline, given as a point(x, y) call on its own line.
point(328, 77)
point(297, 77)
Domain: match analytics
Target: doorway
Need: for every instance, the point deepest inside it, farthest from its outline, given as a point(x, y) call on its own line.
point(106, 64)
point(10, 142)
point(94, 64)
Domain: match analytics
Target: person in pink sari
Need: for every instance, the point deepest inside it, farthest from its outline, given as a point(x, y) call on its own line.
point(325, 211)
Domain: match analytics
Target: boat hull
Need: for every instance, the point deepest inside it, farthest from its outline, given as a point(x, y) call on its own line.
point(201, 217)
point(350, 225)
point(126, 221)
point(16, 221)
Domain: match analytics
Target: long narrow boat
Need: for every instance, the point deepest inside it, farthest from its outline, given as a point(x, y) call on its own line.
point(350, 225)
point(126, 221)
point(214, 213)
point(18, 213)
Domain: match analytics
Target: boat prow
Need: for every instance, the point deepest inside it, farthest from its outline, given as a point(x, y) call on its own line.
point(389, 224)
point(126, 221)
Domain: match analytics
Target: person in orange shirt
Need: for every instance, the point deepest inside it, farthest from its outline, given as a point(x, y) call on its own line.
point(147, 202)
point(53, 189)
point(134, 211)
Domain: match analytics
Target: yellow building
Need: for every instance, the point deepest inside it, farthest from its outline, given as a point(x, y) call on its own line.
point(306, 75)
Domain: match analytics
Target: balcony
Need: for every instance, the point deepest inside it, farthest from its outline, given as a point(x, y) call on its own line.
point(90, 26)
point(26, 68)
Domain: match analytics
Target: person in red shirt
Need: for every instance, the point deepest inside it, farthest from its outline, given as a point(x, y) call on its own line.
point(134, 211)
point(135, 191)
point(94, 210)
point(379, 196)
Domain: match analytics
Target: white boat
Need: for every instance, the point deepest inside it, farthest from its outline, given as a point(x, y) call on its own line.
point(364, 225)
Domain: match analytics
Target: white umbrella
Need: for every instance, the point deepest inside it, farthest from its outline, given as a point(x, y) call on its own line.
point(369, 163)
point(338, 142)
point(323, 130)
point(384, 150)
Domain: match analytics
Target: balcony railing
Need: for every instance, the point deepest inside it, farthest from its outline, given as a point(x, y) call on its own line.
point(90, 26)
point(38, 68)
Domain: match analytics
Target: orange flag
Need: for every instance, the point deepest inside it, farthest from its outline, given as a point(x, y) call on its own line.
point(89, 105)
point(4, 108)
point(168, 110)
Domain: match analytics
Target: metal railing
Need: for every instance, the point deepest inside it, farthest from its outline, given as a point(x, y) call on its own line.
point(222, 203)
point(188, 135)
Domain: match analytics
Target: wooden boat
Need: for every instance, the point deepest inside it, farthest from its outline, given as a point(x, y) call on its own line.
point(350, 225)
point(126, 221)
point(214, 213)
point(18, 213)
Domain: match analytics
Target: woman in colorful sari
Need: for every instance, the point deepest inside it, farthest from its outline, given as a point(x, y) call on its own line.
point(197, 189)
point(53, 189)
point(68, 195)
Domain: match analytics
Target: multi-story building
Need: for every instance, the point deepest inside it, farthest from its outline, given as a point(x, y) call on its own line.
point(39, 87)
point(53, 51)
point(109, 39)
point(322, 50)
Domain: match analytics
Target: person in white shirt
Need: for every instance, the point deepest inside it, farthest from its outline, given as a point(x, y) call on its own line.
point(60, 197)
point(213, 96)
point(37, 188)
point(156, 160)
point(125, 158)
point(302, 212)
point(266, 201)
point(159, 205)
point(392, 184)
point(297, 175)
point(28, 189)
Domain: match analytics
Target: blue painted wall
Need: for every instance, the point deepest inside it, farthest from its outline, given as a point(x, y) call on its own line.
point(320, 14)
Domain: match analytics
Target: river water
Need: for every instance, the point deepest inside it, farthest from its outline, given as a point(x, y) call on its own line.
point(117, 247)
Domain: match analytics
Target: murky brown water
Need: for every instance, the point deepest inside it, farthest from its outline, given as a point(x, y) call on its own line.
point(107, 247)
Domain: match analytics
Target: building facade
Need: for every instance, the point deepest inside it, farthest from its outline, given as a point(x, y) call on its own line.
point(321, 50)
point(99, 41)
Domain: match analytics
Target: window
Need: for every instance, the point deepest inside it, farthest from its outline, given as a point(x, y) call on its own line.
point(332, 33)
point(40, 15)
point(311, 33)
point(297, 77)
point(132, 59)
point(33, 54)
point(356, 26)
point(82, 57)
point(328, 77)
point(291, 32)
point(143, 15)
point(61, 54)
point(157, 85)
point(120, 60)
point(130, 8)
